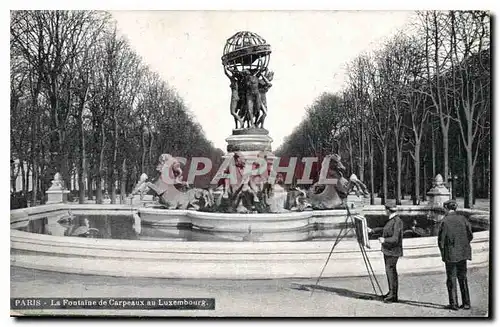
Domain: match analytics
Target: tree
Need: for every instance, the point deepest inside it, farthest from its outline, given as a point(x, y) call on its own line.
point(380, 115)
point(471, 75)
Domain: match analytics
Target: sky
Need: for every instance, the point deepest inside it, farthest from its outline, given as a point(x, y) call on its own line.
point(310, 50)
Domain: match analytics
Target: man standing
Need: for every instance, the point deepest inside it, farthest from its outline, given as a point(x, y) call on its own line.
point(392, 247)
point(455, 235)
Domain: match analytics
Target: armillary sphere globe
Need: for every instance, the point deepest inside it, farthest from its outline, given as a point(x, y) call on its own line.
point(246, 51)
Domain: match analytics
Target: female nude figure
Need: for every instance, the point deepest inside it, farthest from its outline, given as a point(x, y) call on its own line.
point(254, 101)
point(264, 86)
point(235, 98)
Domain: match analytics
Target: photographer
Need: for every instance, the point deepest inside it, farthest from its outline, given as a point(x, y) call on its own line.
point(392, 247)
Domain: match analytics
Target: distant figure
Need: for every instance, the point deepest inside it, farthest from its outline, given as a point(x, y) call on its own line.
point(455, 235)
point(392, 247)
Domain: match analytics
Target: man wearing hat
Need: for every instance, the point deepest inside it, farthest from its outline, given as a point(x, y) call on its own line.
point(392, 248)
point(455, 235)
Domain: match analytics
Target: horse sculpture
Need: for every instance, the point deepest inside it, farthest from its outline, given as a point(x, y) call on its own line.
point(173, 192)
point(333, 195)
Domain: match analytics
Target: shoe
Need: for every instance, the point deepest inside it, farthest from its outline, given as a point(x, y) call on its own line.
point(390, 299)
point(451, 307)
point(465, 306)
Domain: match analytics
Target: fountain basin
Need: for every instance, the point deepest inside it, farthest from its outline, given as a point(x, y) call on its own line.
point(289, 226)
point(230, 260)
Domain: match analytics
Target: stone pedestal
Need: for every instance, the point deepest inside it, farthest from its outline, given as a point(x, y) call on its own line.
point(438, 194)
point(249, 140)
point(57, 193)
point(250, 143)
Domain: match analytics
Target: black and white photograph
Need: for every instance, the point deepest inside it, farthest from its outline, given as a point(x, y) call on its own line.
point(251, 163)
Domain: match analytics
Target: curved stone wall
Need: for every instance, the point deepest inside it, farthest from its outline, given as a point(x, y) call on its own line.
point(235, 260)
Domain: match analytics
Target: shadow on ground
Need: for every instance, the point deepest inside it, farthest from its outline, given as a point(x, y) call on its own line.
point(361, 295)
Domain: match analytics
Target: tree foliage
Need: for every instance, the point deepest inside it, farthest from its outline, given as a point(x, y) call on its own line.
point(434, 77)
point(84, 104)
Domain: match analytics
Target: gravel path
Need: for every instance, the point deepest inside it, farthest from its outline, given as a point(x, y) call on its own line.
point(420, 295)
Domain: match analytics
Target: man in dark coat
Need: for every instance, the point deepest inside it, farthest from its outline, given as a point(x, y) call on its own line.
point(392, 248)
point(455, 235)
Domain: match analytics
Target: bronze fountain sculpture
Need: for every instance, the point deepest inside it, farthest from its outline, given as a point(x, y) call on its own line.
point(245, 61)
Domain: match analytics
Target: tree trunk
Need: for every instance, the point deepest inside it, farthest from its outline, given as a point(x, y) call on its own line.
point(81, 161)
point(407, 176)
point(372, 179)
point(143, 151)
point(470, 180)
point(424, 183)
point(362, 155)
point(150, 154)
point(90, 191)
point(27, 180)
point(384, 168)
point(416, 199)
point(433, 150)
point(13, 178)
point(63, 160)
point(100, 167)
point(34, 183)
point(445, 154)
point(349, 146)
point(464, 184)
point(98, 188)
point(114, 174)
point(123, 184)
point(23, 178)
point(88, 164)
point(34, 177)
point(398, 175)
point(113, 185)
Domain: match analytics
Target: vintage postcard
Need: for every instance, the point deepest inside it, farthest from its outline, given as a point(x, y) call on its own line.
point(250, 163)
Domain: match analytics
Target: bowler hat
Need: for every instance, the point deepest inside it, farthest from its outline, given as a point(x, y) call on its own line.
point(391, 208)
point(450, 203)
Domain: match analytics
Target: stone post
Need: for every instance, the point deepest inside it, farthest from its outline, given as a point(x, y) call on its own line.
point(439, 193)
point(57, 193)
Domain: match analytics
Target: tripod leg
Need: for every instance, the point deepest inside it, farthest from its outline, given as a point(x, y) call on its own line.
point(368, 265)
point(373, 273)
point(363, 253)
point(337, 241)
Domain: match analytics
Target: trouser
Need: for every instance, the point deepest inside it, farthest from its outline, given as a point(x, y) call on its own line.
point(454, 271)
point(392, 274)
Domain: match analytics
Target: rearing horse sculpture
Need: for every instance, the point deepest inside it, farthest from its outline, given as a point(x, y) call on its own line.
point(173, 192)
point(332, 195)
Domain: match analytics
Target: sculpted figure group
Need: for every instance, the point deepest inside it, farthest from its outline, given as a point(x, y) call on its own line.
point(171, 190)
point(248, 97)
point(246, 192)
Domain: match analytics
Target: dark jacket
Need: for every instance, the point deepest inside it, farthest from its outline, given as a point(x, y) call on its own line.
point(393, 237)
point(455, 234)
